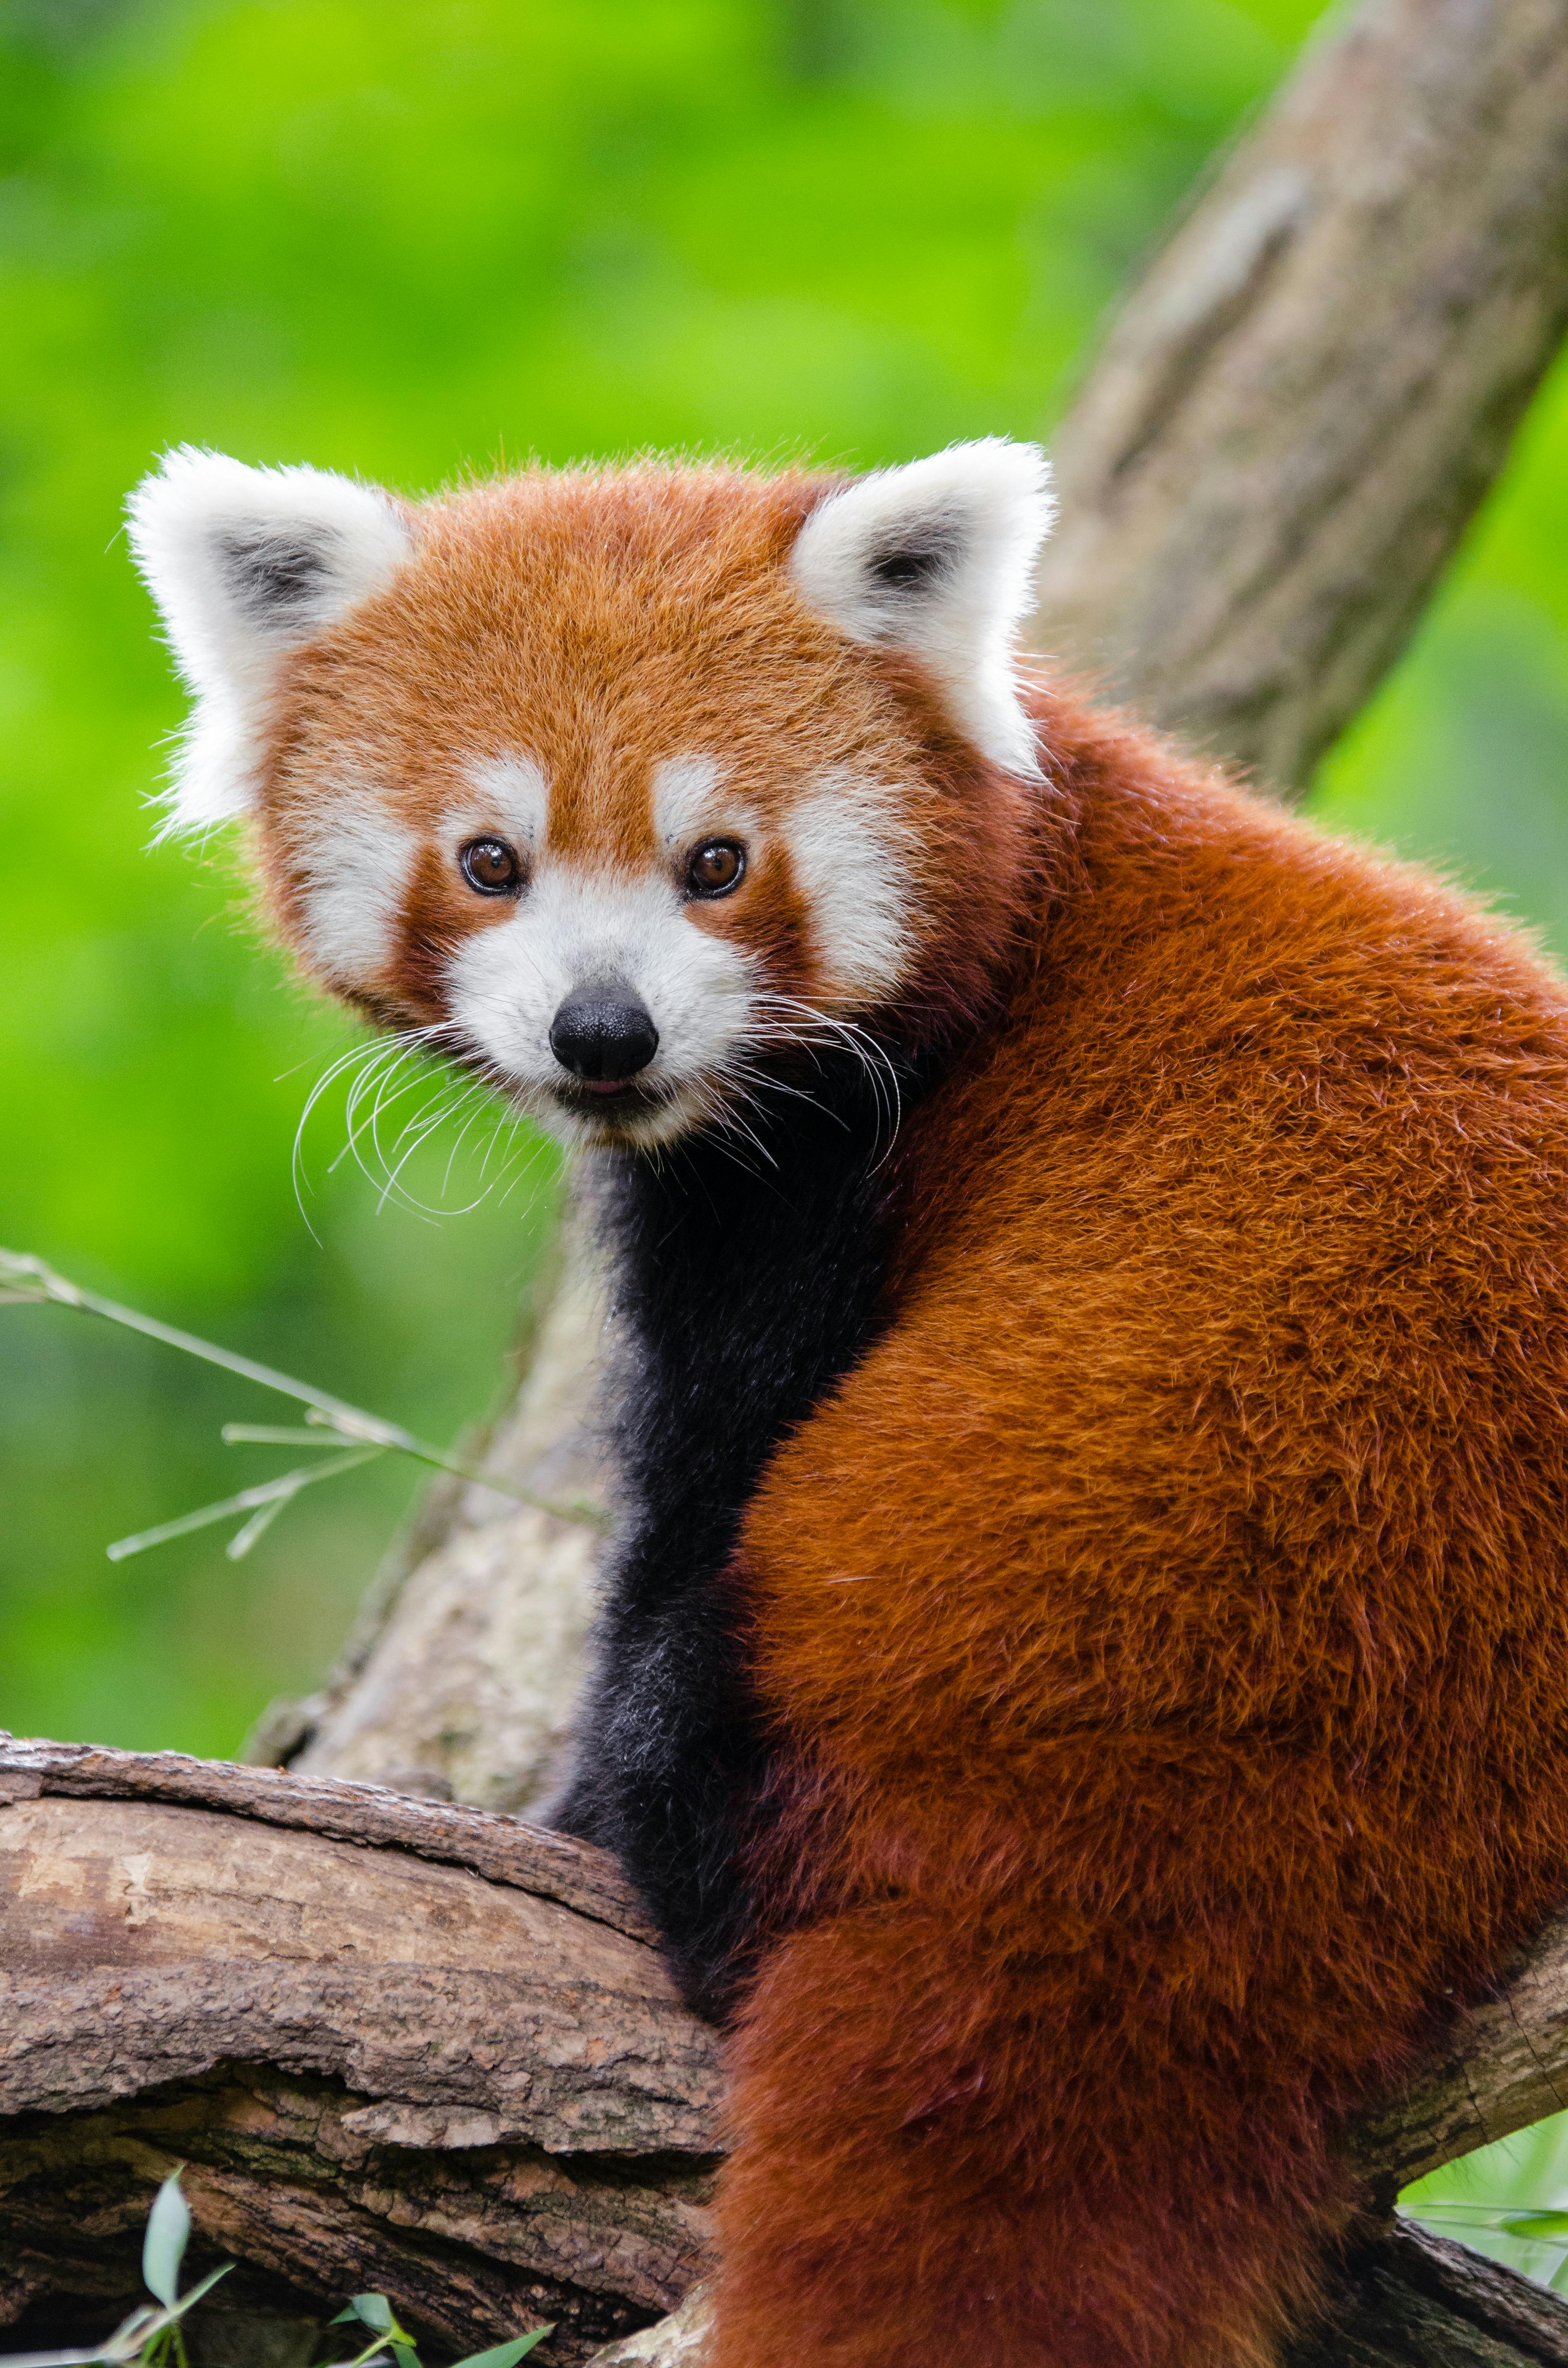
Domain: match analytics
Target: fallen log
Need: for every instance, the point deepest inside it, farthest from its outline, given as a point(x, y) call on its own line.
point(403, 2047)
point(433, 2052)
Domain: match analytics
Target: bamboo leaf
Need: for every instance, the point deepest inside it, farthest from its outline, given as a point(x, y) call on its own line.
point(162, 2247)
point(1533, 2222)
point(123, 2344)
point(506, 2355)
point(371, 2310)
point(194, 2293)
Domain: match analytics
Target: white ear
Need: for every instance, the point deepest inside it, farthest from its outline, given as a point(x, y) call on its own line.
point(937, 559)
point(245, 563)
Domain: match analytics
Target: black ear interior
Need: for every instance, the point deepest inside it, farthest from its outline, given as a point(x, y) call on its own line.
point(277, 574)
point(919, 557)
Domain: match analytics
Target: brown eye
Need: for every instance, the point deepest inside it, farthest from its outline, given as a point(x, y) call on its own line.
point(489, 865)
point(718, 865)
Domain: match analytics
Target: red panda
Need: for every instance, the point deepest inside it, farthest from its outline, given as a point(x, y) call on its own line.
point(1084, 1683)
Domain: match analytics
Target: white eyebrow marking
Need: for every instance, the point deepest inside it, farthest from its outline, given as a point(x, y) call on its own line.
point(509, 791)
point(685, 798)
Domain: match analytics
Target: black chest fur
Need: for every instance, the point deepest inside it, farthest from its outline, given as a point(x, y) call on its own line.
point(748, 1278)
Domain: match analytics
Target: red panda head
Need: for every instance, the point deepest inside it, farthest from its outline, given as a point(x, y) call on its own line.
point(618, 784)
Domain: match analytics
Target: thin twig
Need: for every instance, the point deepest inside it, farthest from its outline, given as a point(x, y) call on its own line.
point(27, 1279)
point(269, 1496)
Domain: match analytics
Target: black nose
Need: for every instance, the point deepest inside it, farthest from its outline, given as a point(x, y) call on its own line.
point(603, 1032)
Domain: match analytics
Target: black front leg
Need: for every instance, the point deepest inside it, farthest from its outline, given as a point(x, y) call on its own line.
point(670, 1774)
point(741, 1296)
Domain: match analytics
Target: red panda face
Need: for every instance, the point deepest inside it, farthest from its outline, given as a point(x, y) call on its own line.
point(622, 787)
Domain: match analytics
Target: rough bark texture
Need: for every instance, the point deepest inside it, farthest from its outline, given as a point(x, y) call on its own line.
point(1502, 2067)
point(1410, 2300)
point(403, 2047)
point(1297, 411)
point(432, 2052)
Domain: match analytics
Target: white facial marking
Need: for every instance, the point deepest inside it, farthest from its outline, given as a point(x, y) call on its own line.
point(686, 790)
point(574, 925)
point(693, 801)
point(851, 850)
point(509, 799)
point(357, 863)
point(510, 796)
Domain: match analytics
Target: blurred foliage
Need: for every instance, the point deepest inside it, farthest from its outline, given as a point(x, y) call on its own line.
point(416, 238)
point(1506, 2201)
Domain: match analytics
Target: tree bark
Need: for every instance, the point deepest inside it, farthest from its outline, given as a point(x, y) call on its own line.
point(403, 2047)
point(431, 2052)
point(1299, 409)
point(1286, 432)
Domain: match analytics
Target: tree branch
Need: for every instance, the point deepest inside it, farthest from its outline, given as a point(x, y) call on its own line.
point(1300, 408)
point(433, 2052)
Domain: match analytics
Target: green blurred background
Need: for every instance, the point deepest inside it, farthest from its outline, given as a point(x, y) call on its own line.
point(409, 238)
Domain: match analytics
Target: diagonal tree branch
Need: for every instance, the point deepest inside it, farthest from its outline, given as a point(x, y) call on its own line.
point(1299, 409)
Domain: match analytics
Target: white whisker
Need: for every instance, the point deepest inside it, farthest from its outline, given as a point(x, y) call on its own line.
point(387, 1071)
point(876, 1062)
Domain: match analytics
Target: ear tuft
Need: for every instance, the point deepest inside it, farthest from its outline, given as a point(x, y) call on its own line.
point(245, 564)
point(937, 559)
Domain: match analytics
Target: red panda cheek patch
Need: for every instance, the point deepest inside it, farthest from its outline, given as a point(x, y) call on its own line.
point(350, 865)
point(853, 850)
point(827, 903)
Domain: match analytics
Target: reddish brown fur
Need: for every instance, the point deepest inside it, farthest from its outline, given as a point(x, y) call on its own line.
point(603, 623)
point(1167, 1623)
point(1168, 1617)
